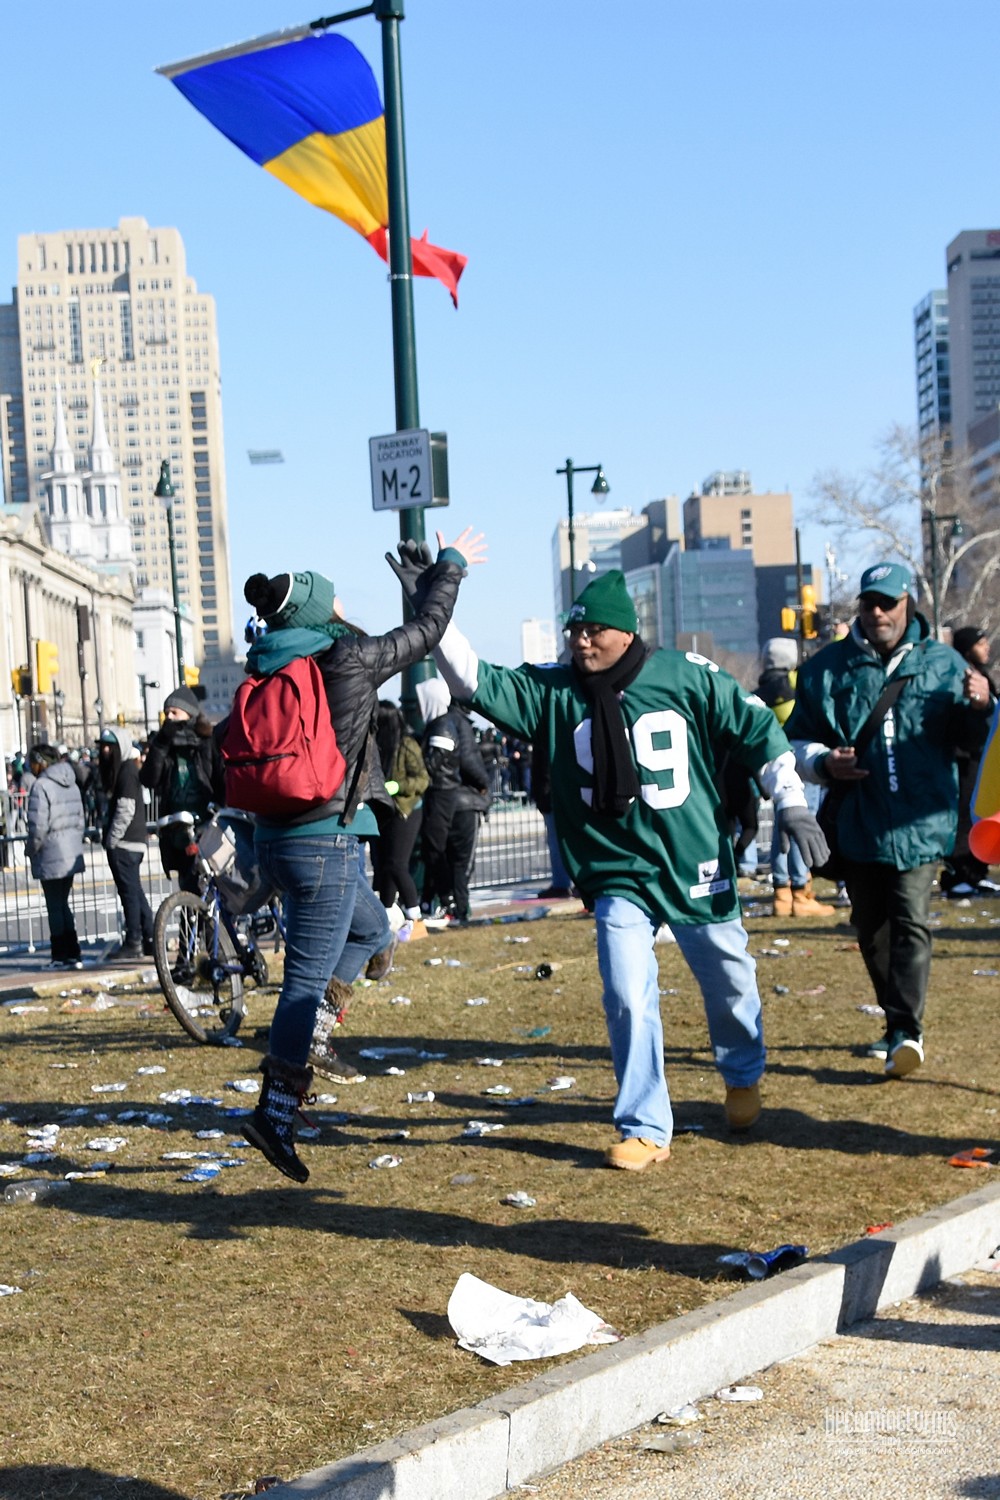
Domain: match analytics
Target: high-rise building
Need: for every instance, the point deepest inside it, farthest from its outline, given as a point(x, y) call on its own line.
point(727, 514)
point(597, 539)
point(973, 259)
point(117, 307)
point(932, 353)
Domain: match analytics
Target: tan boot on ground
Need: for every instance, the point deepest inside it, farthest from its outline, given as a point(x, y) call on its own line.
point(743, 1107)
point(804, 903)
point(635, 1153)
point(782, 901)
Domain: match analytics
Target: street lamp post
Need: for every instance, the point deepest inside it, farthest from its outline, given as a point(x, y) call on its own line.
point(955, 535)
point(144, 686)
point(165, 491)
point(600, 487)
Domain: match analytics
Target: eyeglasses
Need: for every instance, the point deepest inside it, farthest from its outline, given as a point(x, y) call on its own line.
point(880, 601)
point(578, 629)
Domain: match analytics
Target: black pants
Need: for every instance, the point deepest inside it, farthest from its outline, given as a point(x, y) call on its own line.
point(890, 910)
point(449, 843)
point(439, 809)
point(391, 853)
point(62, 927)
point(176, 861)
point(125, 865)
point(461, 851)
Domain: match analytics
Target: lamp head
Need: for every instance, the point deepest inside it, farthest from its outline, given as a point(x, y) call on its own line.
point(164, 489)
point(600, 485)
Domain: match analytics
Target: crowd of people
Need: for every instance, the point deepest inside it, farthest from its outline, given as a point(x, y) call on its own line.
point(868, 750)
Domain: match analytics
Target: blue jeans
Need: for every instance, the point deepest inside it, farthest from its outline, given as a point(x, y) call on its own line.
point(790, 868)
point(717, 956)
point(334, 922)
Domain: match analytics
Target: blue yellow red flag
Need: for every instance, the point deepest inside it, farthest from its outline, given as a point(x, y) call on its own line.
point(307, 110)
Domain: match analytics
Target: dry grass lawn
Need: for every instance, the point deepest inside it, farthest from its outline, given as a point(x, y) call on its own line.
point(186, 1338)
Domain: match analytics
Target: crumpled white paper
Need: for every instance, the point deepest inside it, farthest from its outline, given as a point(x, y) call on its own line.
point(501, 1327)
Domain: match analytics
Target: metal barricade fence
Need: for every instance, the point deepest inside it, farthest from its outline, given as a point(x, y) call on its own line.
point(94, 899)
point(512, 850)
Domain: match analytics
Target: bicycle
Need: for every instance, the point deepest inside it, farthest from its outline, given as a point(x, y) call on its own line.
point(205, 946)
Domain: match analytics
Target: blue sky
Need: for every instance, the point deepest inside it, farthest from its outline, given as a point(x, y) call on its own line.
point(696, 233)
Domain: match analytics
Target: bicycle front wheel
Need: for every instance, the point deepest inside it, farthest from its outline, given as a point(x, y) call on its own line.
point(198, 968)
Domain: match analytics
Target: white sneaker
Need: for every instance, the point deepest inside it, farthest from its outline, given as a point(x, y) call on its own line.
point(905, 1056)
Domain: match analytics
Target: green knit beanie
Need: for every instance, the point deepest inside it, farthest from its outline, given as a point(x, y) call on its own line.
point(303, 600)
point(606, 601)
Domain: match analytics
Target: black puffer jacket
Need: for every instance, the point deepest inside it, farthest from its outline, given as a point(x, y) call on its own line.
point(354, 667)
point(452, 758)
point(192, 740)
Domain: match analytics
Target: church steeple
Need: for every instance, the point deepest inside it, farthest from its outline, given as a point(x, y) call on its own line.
point(62, 453)
point(102, 460)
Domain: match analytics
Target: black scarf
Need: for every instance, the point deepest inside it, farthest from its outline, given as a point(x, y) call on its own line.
point(616, 783)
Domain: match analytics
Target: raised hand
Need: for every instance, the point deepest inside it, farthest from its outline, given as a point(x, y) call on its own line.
point(413, 561)
point(472, 545)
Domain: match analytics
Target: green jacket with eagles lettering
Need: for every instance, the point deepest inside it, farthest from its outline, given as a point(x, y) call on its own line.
point(670, 854)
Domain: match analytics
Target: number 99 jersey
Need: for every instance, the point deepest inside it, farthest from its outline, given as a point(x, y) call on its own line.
point(670, 854)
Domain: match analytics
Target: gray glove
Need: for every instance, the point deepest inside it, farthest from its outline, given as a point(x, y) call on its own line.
point(414, 560)
point(799, 824)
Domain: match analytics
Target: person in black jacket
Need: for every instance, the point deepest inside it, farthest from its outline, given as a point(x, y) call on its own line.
point(963, 874)
point(457, 796)
point(125, 839)
point(334, 921)
point(183, 766)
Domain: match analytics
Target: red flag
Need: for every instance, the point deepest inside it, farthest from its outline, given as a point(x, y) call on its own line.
point(428, 260)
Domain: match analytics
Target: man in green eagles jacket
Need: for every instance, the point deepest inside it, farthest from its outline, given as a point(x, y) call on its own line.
point(898, 820)
point(634, 737)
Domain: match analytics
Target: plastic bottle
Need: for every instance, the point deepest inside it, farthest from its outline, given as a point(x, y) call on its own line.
point(32, 1191)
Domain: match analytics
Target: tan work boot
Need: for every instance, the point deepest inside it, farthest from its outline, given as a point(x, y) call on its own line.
point(743, 1107)
point(782, 901)
point(804, 903)
point(635, 1153)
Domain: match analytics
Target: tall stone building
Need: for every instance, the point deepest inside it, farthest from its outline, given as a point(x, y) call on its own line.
point(113, 313)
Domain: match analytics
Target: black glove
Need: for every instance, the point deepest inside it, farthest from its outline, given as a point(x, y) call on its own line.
point(798, 824)
point(414, 560)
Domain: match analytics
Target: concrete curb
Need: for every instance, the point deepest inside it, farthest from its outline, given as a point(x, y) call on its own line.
point(506, 1440)
point(45, 986)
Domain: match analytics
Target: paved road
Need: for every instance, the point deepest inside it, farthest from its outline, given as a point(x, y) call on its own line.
point(902, 1407)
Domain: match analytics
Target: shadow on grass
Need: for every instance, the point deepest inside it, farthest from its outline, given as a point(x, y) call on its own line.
point(57, 1481)
point(217, 1216)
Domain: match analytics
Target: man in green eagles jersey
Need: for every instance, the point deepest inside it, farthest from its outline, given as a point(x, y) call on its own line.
point(634, 737)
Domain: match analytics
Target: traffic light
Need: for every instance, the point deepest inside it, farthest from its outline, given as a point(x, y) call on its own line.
point(192, 676)
point(21, 681)
point(808, 601)
point(46, 665)
point(788, 618)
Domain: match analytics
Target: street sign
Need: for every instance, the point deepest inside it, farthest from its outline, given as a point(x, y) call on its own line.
point(409, 469)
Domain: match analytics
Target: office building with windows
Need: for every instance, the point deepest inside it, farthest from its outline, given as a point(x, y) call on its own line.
point(112, 315)
point(973, 259)
point(932, 354)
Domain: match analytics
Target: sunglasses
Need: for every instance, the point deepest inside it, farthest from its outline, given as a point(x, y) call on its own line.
point(578, 630)
point(880, 601)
